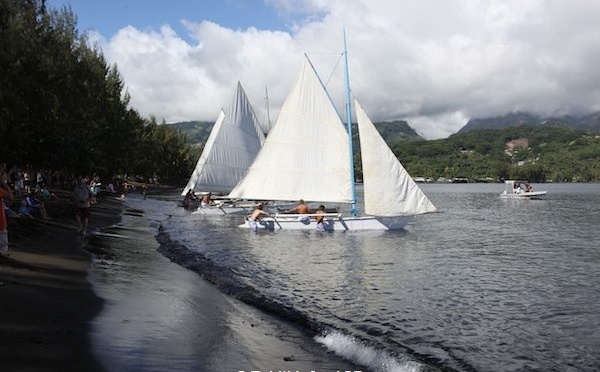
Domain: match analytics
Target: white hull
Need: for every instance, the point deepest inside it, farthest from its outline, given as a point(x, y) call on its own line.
point(219, 211)
point(524, 195)
point(220, 208)
point(514, 189)
point(333, 222)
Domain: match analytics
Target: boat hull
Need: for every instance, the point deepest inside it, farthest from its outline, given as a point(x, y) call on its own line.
point(524, 195)
point(226, 207)
point(219, 211)
point(333, 223)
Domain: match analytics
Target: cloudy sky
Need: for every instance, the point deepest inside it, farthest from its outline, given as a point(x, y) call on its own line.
point(433, 63)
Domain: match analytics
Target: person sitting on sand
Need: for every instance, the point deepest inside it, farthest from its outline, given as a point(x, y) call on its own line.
point(31, 206)
point(256, 216)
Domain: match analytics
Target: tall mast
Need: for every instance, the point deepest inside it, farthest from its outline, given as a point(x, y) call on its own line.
point(267, 104)
point(349, 125)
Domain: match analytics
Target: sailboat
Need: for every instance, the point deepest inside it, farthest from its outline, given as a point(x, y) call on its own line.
point(308, 155)
point(232, 145)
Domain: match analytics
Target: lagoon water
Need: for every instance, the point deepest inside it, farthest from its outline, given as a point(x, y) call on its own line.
point(486, 285)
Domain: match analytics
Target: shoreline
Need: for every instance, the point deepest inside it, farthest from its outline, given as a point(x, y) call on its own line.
point(66, 307)
point(47, 299)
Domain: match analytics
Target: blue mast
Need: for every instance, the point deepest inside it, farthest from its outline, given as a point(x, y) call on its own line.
point(353, 211)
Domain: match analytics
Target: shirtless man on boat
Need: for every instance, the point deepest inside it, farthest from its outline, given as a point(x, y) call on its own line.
point(256, 215)
point(301, 208)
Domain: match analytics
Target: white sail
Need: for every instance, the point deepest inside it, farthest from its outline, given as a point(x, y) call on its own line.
point(305, 155)
point(231, 147)
point(388, 188)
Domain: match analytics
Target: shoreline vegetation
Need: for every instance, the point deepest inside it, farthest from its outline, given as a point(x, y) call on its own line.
point(48, 301)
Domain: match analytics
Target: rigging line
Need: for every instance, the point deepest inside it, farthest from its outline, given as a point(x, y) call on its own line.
point(334, 68)
point(340, 55)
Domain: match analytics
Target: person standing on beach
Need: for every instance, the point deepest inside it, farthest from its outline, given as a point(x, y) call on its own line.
point(5, 193)
point(145, 190)
point(82, 196)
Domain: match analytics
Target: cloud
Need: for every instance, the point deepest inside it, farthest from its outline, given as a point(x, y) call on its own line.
point(435, 64)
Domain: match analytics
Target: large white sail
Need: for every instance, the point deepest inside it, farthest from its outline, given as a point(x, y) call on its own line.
point(305, 155)
point(388, 188)
point(231, 147)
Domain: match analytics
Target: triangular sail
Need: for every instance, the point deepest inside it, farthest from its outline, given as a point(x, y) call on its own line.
point(306, 153)
point(231, 147)
point(388, 188)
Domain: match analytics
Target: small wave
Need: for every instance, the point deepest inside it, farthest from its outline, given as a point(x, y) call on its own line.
point(347, 347)
point(356, 351)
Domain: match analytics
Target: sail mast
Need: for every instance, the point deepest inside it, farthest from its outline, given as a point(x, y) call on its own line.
point(267, 107)
point(353, 210)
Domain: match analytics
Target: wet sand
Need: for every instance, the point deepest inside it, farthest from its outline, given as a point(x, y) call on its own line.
point(160, 316)
point(46, 300)
point(125, 307)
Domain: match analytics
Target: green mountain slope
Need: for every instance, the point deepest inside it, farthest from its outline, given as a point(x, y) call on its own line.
point(550, 152)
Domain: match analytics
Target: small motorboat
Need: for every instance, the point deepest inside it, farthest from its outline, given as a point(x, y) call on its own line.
point(520, 190)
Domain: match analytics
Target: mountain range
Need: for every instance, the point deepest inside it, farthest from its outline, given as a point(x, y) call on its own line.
point(395, 131)
point(590, 122)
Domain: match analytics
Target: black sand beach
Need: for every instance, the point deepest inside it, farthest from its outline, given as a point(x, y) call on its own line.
point(128, 308)
point(46, 300)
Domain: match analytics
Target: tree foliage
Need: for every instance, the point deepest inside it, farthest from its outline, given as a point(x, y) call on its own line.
point(63, 107)
point(554, 153)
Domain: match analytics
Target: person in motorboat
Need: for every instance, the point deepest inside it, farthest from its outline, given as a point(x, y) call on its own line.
point(256, 216)
point(517, 188)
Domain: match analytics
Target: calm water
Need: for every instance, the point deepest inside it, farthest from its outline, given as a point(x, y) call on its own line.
point(486, 285)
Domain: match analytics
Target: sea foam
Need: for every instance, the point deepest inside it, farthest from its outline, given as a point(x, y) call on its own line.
point(358, 352)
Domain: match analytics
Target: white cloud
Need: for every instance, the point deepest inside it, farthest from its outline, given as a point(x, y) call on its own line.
point(434, 63)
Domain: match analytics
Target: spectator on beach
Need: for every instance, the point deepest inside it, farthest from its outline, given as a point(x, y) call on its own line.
point(94, 189)
point(82, 196)
point(111, 187)
point(47, 195)
point(39, 180)
point(27, 181)
point(145, 190)
point(5, 194)
point(125, 190)
point(31, 206)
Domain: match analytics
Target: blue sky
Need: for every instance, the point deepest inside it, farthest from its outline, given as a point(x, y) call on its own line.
point(109, 16)
point(435, 64)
